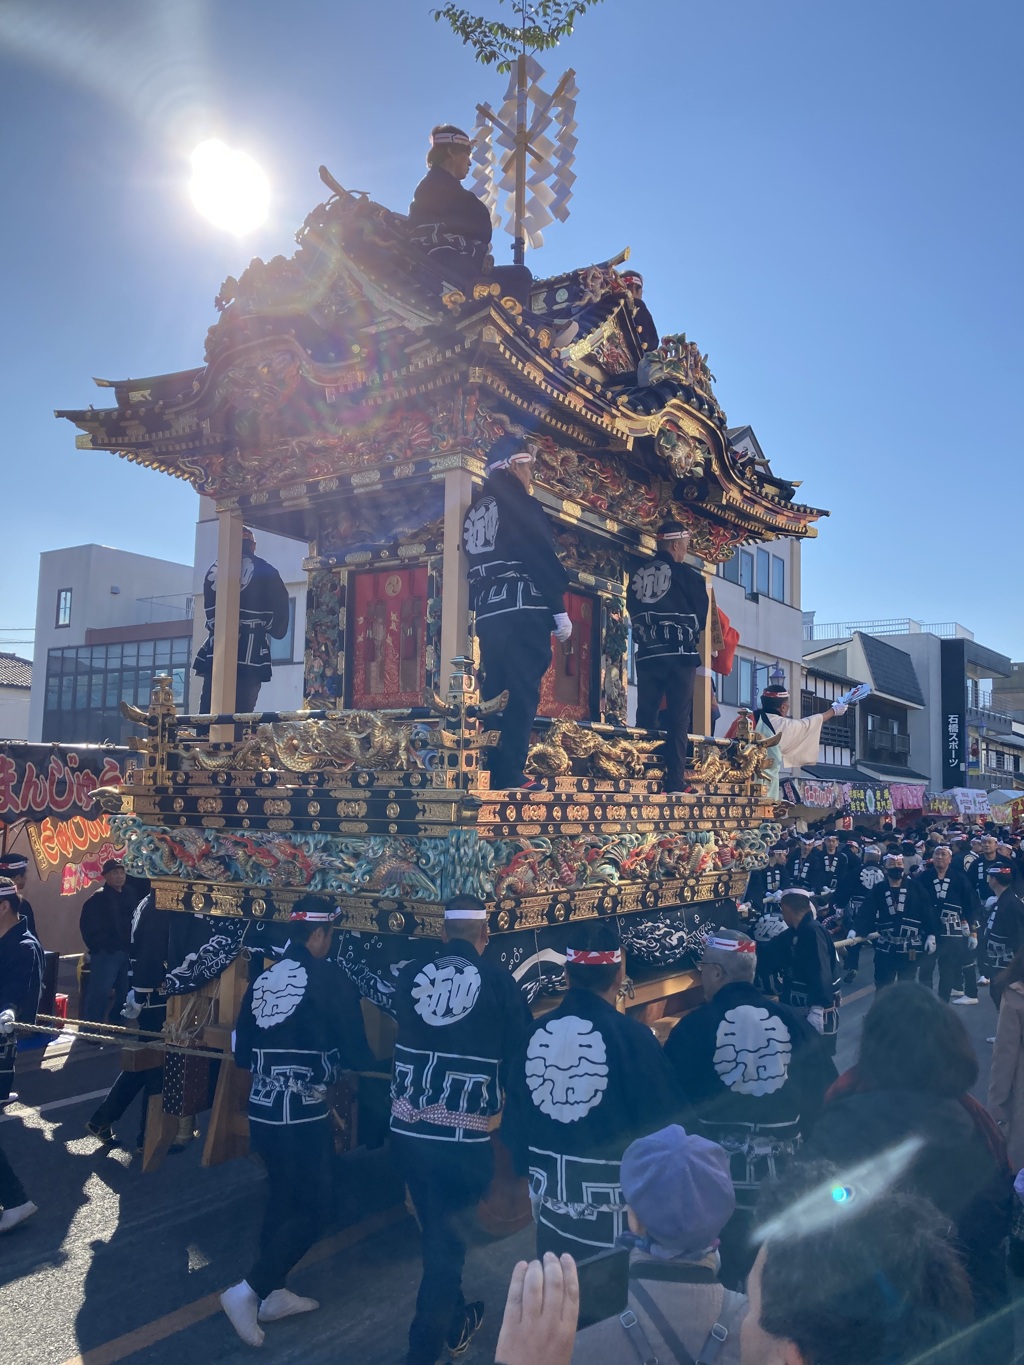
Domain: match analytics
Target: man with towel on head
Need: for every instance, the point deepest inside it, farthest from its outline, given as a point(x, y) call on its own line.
point(798, 740)
point(461, 1020)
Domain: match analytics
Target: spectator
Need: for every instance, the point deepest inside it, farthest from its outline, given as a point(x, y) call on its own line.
point(679, 1196)
point(543, 1304)
point(912, 1079)
point(1006, 1078)
point(869, 1280)
point(106, 928)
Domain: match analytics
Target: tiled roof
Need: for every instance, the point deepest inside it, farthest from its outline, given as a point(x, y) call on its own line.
point(892, 670)
point(14, 671)
point(891, 772)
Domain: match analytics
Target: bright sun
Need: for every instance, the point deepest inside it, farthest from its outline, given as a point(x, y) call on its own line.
point(228, 188)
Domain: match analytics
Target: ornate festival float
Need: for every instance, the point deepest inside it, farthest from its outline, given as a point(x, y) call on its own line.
point(347, 396)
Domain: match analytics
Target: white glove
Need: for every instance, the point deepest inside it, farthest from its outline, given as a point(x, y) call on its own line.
point(563, 626)
point(132, 1008)
point(990, 904)
point(972, 942)
point(7, 1022)
point(929, 944)
point(851, 934)
point(816, 1018)
point(839, 708)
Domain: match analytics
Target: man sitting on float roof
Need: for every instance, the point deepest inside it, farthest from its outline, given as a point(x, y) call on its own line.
point(450, 224)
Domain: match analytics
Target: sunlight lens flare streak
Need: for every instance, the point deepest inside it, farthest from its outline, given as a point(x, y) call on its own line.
point(228, 188)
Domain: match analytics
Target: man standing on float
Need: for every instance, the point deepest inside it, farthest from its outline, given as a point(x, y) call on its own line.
point(668, 607)
point(517, 589)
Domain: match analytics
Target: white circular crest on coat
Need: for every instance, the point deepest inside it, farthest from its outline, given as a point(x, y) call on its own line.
point(446, 990)
point(652, 581)
point(567, 1068)
point(753, 1049)
point(278, 992)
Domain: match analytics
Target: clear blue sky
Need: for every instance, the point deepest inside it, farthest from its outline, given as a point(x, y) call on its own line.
point(827, 197)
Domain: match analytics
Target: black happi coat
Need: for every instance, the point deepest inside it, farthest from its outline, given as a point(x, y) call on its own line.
point(952, 898)
point(461, 1020)
point(805, 872)
point(298, 1026)
point(668, 607)
point(443, 202)
point(262, 615)
point(28, 915)
point(645, 327)
point(752, 1074)
point(903, 930)
point(805, 964)
point(509, 543)
point(21, 972)
point(764, 881)
point(1005, 930)
point(589, 1081)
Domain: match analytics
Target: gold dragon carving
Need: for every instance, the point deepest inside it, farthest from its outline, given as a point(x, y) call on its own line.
point(565, 741)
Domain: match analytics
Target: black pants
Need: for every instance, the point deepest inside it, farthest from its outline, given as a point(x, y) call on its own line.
point(299, 1196)
point(247, 690)
point(8, 1054)
point(515, 653)
point(891, 967)
point(12, 1191)
point(950, 958)
point(130, 1083)
point(673, 679)
point(441, 1184)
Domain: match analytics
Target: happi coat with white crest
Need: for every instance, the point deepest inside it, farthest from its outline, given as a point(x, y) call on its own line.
point(588, 1082)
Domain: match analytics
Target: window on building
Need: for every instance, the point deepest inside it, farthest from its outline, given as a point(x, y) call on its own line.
point(778, 578)
point(85, 686)
point(730, 569)
point(746, 683)
point(63, 607)
point(764, 562)
point(282, 651)
point(729, 687)
point(746, 571)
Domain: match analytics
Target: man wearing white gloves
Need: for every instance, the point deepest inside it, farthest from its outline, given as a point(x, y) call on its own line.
point(668, 607)
point(517, 590)
point(903, 921)
point(21, 971)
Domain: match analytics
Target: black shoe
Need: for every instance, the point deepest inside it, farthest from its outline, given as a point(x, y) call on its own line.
point(466, 1328)
point(103, 1132)
point(850, 976)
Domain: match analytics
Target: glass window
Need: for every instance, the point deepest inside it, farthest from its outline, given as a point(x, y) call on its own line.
point(130, 653)
point(730, 570)
point(178, 686)
point(113, 656)
point(52, 693)
point(729, 688)
point(760, 680)
point(146, 654)
point(67, 693)
point(113, 690)
point(746, 571)
point(181, 648)
point(96, 690)
point(281, 650)
point(763, 571)
point(63, 617)
point(746, 686)
point(162, 653)
point(778, 578)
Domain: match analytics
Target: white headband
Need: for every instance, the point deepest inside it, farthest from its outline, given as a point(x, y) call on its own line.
point(450, 140)
point(465, 914)
point(730, 945)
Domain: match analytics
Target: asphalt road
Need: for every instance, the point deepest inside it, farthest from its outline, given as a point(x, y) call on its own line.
point(118, 1266)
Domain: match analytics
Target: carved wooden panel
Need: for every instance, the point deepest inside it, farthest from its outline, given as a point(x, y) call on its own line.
point(565, 690)
point(389, 629)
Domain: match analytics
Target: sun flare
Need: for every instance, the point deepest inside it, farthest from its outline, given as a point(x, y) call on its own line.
point(228, 188)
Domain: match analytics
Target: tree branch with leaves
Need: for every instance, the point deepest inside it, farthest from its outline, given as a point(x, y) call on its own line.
point(541, 26)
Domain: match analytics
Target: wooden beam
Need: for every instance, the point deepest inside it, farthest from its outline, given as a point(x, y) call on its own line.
point(225, 630)
point(702, 684)
point(458, 494)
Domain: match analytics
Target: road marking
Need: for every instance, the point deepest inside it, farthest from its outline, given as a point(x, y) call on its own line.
point(23, 1110)
point(146, 1336)
point(857, 995)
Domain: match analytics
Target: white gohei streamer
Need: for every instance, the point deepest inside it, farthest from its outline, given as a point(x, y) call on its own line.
point(550, 177)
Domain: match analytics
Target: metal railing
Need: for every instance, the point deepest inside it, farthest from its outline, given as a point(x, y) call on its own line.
point(900, 625)
point(179, 606)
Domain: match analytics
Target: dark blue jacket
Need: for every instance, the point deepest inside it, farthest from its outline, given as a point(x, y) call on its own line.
point(21, 972)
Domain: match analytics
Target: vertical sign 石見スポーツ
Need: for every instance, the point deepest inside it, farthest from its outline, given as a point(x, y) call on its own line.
point(953, 696)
